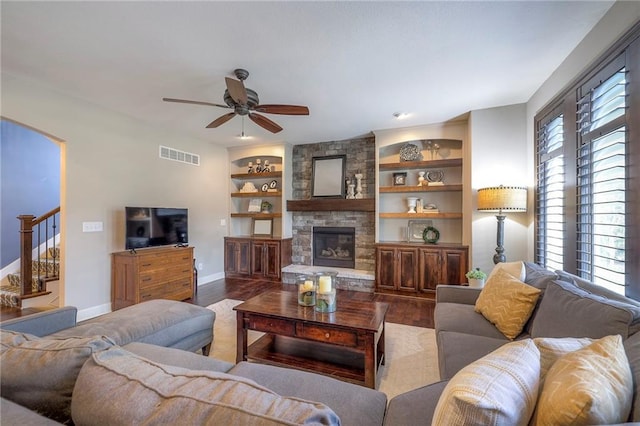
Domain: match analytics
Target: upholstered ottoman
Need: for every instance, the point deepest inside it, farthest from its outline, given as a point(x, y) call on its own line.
point(165, 323)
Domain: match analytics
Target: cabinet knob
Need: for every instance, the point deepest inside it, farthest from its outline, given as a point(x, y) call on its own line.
point(327, 335)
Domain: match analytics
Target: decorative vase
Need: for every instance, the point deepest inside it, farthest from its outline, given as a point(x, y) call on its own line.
point(326, 291)
point(412, 202)
point(351, 194)
point(307, 290)
point(421, 178)
point(476, 282)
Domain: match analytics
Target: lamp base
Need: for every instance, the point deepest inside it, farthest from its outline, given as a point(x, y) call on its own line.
point(499, 256)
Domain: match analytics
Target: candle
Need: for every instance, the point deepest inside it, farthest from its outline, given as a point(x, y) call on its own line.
point(308, 285)
point(324, 284)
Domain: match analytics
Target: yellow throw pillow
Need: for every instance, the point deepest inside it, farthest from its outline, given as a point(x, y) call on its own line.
point(498, 389)
point(507, 303)
point(515, 269)
point(592, 385)
point(552, 348)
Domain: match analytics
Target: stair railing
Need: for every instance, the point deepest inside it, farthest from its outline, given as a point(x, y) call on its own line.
point(45, 228)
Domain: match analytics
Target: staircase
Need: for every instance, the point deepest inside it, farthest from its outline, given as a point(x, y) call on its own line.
point(40, 233)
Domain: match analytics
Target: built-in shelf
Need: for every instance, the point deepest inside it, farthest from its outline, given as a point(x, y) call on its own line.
point(433, 188)
point(258, 215)
point(265, 175)
point(262, 194)
point(421, 215)
point(332, 204)
point(430, 164)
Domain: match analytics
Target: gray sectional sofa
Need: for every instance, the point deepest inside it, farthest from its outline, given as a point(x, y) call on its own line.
point(148, 372)
point(568, 307)
point(153, 346)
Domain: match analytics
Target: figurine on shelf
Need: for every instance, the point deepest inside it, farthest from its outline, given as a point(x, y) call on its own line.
point(258, 165)
point(358, 177)
point(421, 179)
point(351, 191)
point(266, 168)
point(250, 167)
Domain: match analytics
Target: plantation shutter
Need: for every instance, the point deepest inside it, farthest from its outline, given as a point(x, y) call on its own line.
point(550, 191)
point(602, 177)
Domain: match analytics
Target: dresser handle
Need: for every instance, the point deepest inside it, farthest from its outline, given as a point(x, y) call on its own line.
point(327, 335)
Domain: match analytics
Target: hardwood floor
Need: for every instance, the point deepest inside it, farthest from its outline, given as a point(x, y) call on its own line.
point(402, 309)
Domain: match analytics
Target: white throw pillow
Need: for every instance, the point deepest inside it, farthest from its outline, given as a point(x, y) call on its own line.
point(500, 388)
point(515, 269)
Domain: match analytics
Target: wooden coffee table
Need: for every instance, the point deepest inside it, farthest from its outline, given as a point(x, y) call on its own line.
point(347, 344)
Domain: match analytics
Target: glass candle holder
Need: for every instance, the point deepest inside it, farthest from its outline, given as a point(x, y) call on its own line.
point(307, 290)
point(326, 294)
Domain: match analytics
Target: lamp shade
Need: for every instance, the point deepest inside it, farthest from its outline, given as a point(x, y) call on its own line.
point(502, 198)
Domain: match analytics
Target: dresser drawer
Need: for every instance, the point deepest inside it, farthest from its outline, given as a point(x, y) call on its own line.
point(334, 336)
point(169, 274)
point(152, 263)
point(272, 325)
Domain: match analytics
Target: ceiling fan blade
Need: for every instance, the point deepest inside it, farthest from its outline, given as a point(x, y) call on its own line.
point(283, 109)
point(236, 90)
point(221, 120)
point(264, 122)
point(184, 101)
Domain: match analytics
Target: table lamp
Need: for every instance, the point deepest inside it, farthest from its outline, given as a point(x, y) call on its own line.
point(502, 199)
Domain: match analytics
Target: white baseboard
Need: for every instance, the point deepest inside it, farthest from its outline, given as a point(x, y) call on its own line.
point(209, 278)
point(94, 311)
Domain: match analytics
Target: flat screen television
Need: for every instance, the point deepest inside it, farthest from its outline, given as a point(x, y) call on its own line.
point(156, 226)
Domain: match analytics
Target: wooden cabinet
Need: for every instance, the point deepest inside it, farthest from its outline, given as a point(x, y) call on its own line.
point(396, 268)
point(153, 273)
point(237, 256)
point(256, 257)
point(418, 268)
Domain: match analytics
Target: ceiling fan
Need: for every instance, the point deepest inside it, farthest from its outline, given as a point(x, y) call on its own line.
point(245, 101)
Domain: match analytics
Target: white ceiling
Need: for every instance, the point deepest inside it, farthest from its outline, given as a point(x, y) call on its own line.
point(352, 63)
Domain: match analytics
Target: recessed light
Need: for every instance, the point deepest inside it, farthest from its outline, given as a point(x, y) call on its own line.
point(401, 115)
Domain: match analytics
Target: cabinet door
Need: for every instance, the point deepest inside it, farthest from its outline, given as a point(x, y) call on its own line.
point(406, 269)
point(430, 269)
point(237, 257)
point(454, 266)
point(271, 261)
point(257, 258)
point(385, 268)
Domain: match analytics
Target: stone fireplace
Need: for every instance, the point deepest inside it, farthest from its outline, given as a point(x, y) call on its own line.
point(334, 246)
point(360, 158)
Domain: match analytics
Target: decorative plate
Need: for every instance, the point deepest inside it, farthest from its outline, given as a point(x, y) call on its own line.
point(409, 152)
point(435, 175)
point(265, 187)
point(273, 184)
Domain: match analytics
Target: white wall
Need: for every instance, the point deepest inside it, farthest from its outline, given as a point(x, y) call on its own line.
point(111, 162)
point(498, 147)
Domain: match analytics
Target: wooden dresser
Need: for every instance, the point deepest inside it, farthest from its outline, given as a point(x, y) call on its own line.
point(152, 273)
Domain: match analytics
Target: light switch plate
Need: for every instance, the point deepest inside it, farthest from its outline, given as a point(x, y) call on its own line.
point(91, 226)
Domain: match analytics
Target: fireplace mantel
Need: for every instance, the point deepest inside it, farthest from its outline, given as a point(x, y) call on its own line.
point(331, 204)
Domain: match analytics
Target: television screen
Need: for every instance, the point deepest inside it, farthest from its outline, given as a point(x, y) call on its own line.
point(152, 226)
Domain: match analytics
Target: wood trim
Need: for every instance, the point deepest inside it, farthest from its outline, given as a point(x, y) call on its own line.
point(452, 162)
point(332, 204)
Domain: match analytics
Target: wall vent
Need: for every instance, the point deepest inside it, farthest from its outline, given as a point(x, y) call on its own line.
point(177, 155)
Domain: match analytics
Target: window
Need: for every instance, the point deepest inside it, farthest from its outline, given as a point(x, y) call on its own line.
point(587, 171)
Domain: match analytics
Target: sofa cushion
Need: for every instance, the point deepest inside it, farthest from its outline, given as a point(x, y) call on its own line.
point(464, 319)
point(160, 322)
point(414, 407)
point(354, 404)
point(457, 350)
point(632, 349)
point(498, 389)
point(507, 302)
point(177, 357)
point(592, 385)
point(538, 277)
point(594, 288)
point(173, 395)
point(40, 373)
point(569, 311)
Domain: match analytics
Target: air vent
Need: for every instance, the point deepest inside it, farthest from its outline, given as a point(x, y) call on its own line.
point(177, 155)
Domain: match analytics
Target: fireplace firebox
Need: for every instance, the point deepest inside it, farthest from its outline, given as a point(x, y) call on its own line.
point(334, 246)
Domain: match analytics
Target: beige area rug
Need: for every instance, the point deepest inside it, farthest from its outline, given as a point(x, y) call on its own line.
point(411, 353)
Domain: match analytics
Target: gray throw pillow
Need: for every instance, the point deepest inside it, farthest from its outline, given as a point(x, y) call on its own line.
point(569, 311)
point(172, 395)
point(40, 373)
